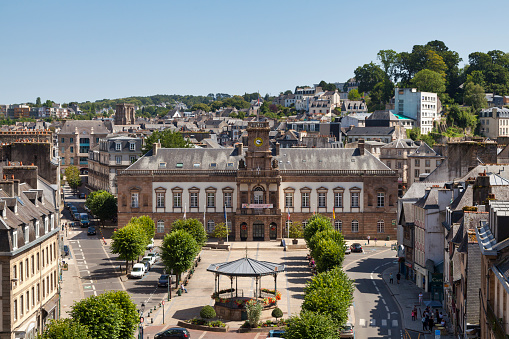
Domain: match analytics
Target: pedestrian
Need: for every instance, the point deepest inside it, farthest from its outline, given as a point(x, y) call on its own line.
point(420, 298)
point(183, 288)
point(375, 241)
point(368, 239)
point(391, 278)
point(437, 315)
point(424, 323)
point(413, 315)
point(431, 323)
point(398, 276)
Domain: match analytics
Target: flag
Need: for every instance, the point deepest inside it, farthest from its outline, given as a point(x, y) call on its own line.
point(185, 212)
point(225, 213)
point(288, 210)
point(333, 214)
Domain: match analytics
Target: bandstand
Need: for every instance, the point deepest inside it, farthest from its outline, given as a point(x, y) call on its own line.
point(229, 303)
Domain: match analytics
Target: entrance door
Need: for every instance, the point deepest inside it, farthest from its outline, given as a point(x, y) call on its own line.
point(243, 231)
point(273, 231)
point(258, 231)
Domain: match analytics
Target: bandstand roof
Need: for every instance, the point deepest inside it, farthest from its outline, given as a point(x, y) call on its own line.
point(246, 267)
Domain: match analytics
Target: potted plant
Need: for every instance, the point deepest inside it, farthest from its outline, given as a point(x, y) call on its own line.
point(220, 232)
point(295, 232)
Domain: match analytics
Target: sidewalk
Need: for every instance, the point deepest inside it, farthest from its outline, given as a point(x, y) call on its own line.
point(406, 294)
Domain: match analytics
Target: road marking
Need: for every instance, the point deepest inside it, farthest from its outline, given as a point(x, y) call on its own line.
point(389, 332)
point(372, 322)
point(376, 287)
point(387, 308)
point(362, 322)
point(383, 300)
point(257, 335)
point(394, 323)
point(372, 255)
point(202, 335)
point(388, 316)
point(384, 322)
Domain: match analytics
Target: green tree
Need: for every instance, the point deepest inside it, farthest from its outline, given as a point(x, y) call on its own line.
point(129, 313)
point(311, 325)
point(72, 175)
point(254, 311)
point(193, 227)
point(147, 226)
point(429, 81)
point(220, 231)
point(102, 204)
point(178, 251)
point(102, 317)
point(63, 329)
point(474, 96)
point(354, 95)
point(327, 86)
point(202, 106)
point(168, 139)
point(316, 224)
point(414, 133)
point(277, 313)
point(368, 76)
point(207, 312)
point(330, 293)
point(128, 242)
point(328, 249)
point(38, 102)
point(477, 78)
point(389, 60)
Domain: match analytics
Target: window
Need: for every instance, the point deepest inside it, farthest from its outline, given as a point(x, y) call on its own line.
point(417, 162)
point(160, 199)
point(21, 306)
point(380, 199)
point(355, 199)
point(96, 140)
point(338, 199)
point(38, 262)
point(71, 149)
point(177, 200)
point(288, 199)
point(193, 199)
point(179, 165)
point(228, 199)
point(399, 165)
point(71, 140)
point(132, 158)
point(52, 221)
point(389, 164)
point(14, 240)
point(304, 224)
point(210, 226)
point(37, 229)
point(134, 200)
point(43, 288)
point(46, 225)
point(27, 298)
point(33, 296)
point(27, 269)
point(42, 257)
point(439, 162)
point(160, 226)
point(305, 199)
point(118, 159)
point(32, 264)
point(62, 149)
point(211, 199)
point(380, 226)
point(38, 292)
point(26, 234)
point(62, 161)
point(62, 140)
point(416, 174)
point(338, 225)
point(132, 146)
point(355, 226)
point(118, 146)
point(71, 161)
point(321, 200)
point(427, 163)
point(15, 310)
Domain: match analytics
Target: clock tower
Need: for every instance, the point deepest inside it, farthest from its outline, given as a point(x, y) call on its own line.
point(259, 154)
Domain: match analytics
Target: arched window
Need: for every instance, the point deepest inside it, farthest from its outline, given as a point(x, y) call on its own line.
point(210, 226)
point(380, 226)
point(160, 226)
point(258, 195)
point(338, 225)
point(355, 226)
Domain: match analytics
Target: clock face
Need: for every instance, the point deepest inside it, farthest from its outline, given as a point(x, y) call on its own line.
point(258, 142)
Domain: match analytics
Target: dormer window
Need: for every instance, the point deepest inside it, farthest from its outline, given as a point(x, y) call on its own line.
point(180, 165)
point(37, 229)
point(213, 164)
point(26, 233)
point(162, 165)
point(46, 225)
point(14, 240)
point(118, 146)
point(132, 146)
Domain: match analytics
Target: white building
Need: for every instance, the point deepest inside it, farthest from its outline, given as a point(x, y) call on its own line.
point(423, 107)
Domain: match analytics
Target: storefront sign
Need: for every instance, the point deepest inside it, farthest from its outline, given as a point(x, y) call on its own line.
point(257, 205)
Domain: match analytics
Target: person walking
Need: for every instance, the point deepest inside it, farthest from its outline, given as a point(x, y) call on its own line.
point(391, 278)
point(420, 298)
point(398, 277)
point(415, 313)
point(424, 323)
point(431, 323)
point(368, 239)
point(183, 288)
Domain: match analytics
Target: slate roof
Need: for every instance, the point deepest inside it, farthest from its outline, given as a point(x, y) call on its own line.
point(423, 151)
point(288, 159)
point(465, 198)
point(246, 267)
point(429, 200)
point(382, 115)
point(98, 125)
point(402, 143)
point(360, 131)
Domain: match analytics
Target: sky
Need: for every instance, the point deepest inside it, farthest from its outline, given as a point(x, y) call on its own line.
point(92, 50)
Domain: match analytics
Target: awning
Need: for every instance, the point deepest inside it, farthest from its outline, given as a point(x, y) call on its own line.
point(50, 305)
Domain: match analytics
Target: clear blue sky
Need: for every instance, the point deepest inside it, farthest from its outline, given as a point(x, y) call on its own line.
point(89, 50)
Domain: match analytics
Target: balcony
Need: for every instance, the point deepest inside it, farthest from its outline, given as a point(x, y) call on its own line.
point(260, 211)
point(492, 321)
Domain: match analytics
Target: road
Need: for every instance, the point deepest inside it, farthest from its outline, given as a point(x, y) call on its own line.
point(376, 313)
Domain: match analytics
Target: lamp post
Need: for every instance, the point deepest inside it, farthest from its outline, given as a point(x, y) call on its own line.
point(169, 285)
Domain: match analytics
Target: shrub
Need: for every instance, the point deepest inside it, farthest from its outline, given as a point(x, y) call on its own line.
point(208, 312)
point(277, 313)
point(217, 323)
point(295, 231)
point(254, 311)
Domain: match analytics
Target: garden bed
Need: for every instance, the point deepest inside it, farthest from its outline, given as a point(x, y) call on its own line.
point(202, 327)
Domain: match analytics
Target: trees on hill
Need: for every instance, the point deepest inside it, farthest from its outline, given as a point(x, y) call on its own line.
point(167, 138)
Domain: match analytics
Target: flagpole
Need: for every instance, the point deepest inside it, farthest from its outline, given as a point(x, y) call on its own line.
point(185, 211)
point(204, 224)
point(226, 221)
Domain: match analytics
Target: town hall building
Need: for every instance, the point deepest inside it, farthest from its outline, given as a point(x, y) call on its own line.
point(260, 190)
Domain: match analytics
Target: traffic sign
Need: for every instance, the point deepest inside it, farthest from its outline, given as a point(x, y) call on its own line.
point(437, 334)
point(163, 302)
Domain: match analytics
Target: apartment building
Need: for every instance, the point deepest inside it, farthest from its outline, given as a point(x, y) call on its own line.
point(494, 122)
point(423, 107)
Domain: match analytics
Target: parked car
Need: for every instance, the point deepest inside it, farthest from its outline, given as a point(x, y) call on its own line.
point(68, 205)
point(74, 212)
point(150, 260)
point(347, 331)
point(138, 271)
point(146, 264)
point(66, 250)
point(174, 332)
point(163, 280)
point(83, 195)
point(356, 247)
point(84, 220)
point(276, 334)
point(154, 255)
point(91, 230)
point(347, 250)
point(151, 245)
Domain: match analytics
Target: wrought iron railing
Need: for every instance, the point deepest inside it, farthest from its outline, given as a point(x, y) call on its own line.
point(492, 321)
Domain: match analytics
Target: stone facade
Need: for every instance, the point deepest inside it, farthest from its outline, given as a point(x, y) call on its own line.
point(260, 187)
point(124, 114)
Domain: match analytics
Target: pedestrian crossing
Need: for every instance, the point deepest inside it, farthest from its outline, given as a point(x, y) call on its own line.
point(382, 322)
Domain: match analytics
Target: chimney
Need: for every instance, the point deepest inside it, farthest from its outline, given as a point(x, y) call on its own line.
point(278, 147)
point(360, 146)
point(240, 148)
point(155, 147)
point(7, 187)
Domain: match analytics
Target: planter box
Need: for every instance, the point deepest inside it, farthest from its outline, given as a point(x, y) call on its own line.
point(201, 327)
point(261, 329)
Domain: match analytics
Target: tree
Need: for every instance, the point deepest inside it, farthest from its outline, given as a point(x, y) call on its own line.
point(277, 313)
point(328, 249)
point(129, 313)
point(429, 81)
point(414, 133)
point(48, 103)
point(102, 204)
point(178, 251)
point(207, 312)
point(368, 76)
point(316, 224)
point(330, 293)
point(327, 86)
point(147, 226)
point(201, 106)
point(474, 96)
point(128, 242)
point(389, 60)
point(311, 325)
point(38, 102)
point(295, 230)
point(220, 231)
point(193, 227)
point(72, 175)
point(65, 328)
point(168, 139)
point(354, 95)
point(102, 317)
